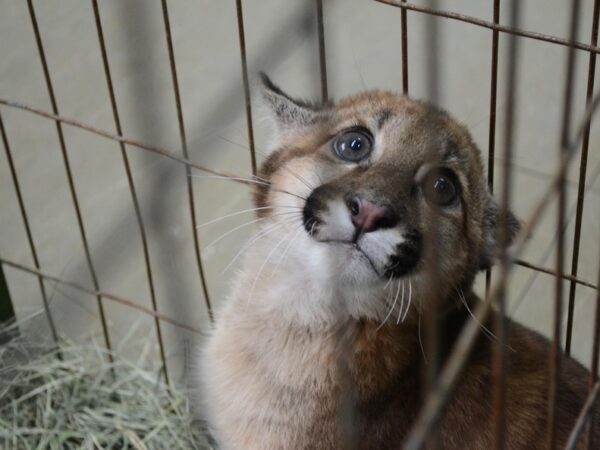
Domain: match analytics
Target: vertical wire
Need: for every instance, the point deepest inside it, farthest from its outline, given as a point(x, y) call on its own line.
point(404, 30)
point(322, 60)
point(582, 178)
point(188, 171)
point(36, 262)
point(499, 356)
point(492, 127)
point(560, 244)
point(432, 317)
point(132, 189)
point(242, 38)
point(69, 174)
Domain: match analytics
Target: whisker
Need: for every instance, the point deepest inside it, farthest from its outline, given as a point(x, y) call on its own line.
point(264, 155)
point(409, 300)
point(388, 283)
point(391, 309)
point(485, 330)
point(221, 177)
point(302, 179)
point(227, 233)
point(285, 250)
point(248, 181)
point(401, 305)
point(254, 239)
point(267, 259)
point(419, 333)
point(245, 211)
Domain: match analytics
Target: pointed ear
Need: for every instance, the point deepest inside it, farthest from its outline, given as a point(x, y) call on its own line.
point(491, 232)
point(287, 112)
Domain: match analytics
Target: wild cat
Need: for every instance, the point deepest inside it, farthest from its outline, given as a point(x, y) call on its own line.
point(318, 346)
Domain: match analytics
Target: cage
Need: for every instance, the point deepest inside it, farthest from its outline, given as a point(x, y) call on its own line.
point(130, 128)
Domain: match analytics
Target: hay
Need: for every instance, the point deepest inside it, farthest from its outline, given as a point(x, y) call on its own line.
point(83, 401)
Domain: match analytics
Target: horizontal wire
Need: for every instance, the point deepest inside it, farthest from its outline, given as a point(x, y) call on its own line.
point(564, 276)
point(492, 26)
point(112, 297)
point(119, 138)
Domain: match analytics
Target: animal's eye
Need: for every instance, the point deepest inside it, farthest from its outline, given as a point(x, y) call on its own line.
point(353, 145)
point(440, 188)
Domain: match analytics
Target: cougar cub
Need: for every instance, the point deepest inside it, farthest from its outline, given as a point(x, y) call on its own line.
point(318, 346)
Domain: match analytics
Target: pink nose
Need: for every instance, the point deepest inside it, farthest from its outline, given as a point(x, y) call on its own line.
point(367, 216)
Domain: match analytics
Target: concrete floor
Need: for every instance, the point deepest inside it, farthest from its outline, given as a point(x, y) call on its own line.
point(363, 51)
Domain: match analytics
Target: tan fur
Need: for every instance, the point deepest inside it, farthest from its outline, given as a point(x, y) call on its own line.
point(302, 356)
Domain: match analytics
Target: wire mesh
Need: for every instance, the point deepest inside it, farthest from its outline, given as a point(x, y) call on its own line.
point(442, 378)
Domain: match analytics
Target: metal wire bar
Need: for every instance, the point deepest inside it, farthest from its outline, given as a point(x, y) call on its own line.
point(104, 295)
point(404, 31)
point(65, 156)
point(583, 418)
point(190, 187)
point(115, 137)
point(492, 26)
point(242, 38)
point(500, 327)
point(555, 351)
point(492, 126)
point(582, 178)
point(322, 60)
point(130, 182)
point(564, 276)
point(36, 262)
point(433, 298)
point(438, 399)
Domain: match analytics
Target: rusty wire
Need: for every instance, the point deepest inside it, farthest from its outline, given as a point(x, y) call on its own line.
point(119, 138)
point(499, 363)
point(322, 58)
point(25, 217)
point(184, 149)
point(555, 352)
point(106, 295)
point(130, 183)
point(65, 156)
point(404, 44)
point(582, 177)
point(492, 124)
point(244, 64)
point(492, 26)
point(432, 316)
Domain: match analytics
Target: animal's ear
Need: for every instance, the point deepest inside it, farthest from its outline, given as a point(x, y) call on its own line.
point(287, 112)
point(491, 232)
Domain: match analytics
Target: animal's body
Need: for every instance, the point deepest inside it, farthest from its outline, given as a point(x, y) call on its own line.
point(319, 345)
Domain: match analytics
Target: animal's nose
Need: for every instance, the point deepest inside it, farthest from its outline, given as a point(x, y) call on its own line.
point(368, 216)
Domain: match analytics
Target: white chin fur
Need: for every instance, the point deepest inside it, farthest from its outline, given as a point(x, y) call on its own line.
point(315, 282)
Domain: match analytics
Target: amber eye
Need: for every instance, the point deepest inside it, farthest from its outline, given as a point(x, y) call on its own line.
point(441, 189)
point(353, 145)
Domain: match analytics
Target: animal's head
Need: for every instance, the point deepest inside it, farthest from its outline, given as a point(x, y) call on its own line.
point(364, 185)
